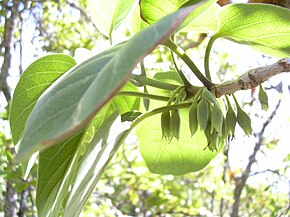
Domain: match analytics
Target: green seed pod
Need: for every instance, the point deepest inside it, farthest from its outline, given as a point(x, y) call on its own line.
point(231, 119)
point(192, 118)
point(175, 123)
point(165, 125)
point(202, 113)
point(263, 98)
point(206, 94)
point(146, 102)
point(243, 119)
point(192, 115)
point(214, 142)
point(217, 119)
point(212, 138)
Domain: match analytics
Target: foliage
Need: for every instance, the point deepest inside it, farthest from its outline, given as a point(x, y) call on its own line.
point(71, 113)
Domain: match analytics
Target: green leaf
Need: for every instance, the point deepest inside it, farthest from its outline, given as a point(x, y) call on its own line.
point(130, 116)
point(73, 101)
point(153, 10)
point(135, 23)
point(202, 19)
point(126, 103)
point(171, 77)
point(109, 16)
point(58, 164)
point(99, 152)
point(33, 82)
point(56, 170)
point(264, 27)
point(173, 157)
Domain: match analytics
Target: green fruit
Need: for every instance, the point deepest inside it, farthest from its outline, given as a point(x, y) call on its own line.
point(146, 102)
point(231, 119)
point(243, 119)
point(175, 123)
point(208, 96)
point(192, 115)
point(165, 125)
point(202, 113)
point(217, 119)
point(263, 98)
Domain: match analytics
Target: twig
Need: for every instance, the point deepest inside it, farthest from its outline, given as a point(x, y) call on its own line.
point(241, 181)
point(252, 78)
point(264, 171)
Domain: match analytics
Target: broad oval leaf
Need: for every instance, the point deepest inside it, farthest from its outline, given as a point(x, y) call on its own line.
point(33, 82)
point(202, 19)
point(73, 100)
point(154, 10)
point(264, 27)
point(176, 157)
point(109, 16)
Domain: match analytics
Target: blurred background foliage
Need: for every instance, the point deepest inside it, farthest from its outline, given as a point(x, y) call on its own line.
point(30, 29)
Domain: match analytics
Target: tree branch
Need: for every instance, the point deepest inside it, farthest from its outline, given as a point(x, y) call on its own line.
point(240, 182)
point(252, 78)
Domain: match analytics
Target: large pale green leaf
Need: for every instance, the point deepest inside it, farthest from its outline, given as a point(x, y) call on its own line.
point(109, 16)
point(73, 100)
point(202, 19)
point(265, 27)
point(188, 154)
point(154, 10)
point(99, 152)
point(34, 80)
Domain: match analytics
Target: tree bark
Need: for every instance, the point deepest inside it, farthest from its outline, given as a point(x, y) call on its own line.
point(10, 200)
point(10, 203)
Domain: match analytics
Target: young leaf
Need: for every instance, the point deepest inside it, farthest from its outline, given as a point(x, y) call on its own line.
point(74, 100)
point(99, 152)
point(176, 157)
point(263, 98)
point(130, 116)
point(56, 170)
point(264, 27)
point(57, 167)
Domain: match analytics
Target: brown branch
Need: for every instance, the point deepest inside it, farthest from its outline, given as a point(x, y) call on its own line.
point(252, 78)
point(240, 181)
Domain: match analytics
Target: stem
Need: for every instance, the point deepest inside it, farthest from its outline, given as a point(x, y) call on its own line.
point(143, 95)
point(142, 80)
point(181, 53)
point(206, 57)
point(180, 73)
